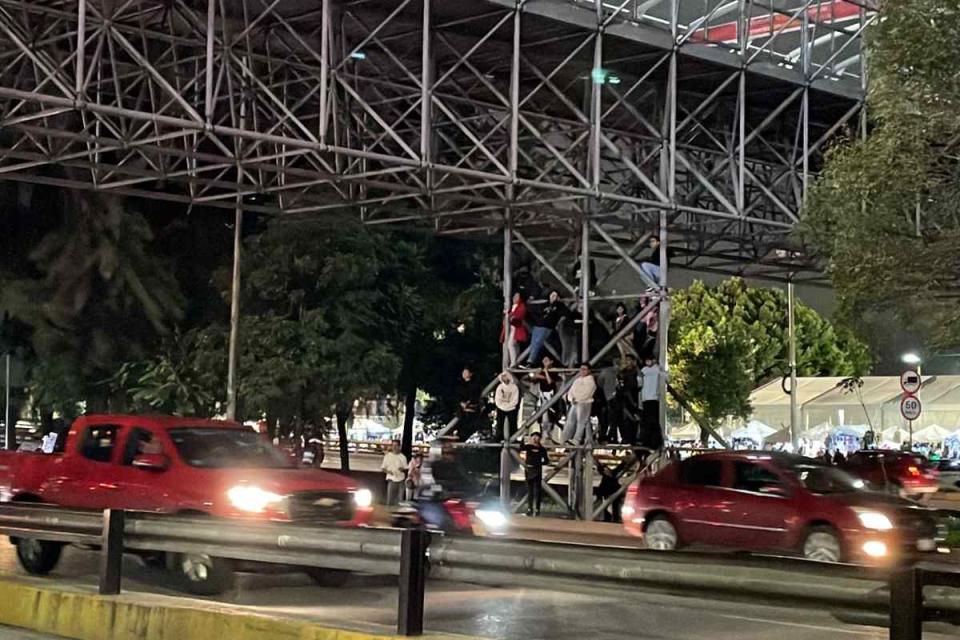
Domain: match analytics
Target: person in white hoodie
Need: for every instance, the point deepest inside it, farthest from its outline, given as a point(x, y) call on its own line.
point(580, 398)
point(507, 400)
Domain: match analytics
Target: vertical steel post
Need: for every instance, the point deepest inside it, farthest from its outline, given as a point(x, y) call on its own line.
point(792, 337)
point(8, 427)
point(413, 579)
point(906, 604)
point(209, 107)
point(111, 552)
point(426, 87)
point(591, 207)
point(505, 461)
point(81, 46)
point(234, 313)
point(324, 67)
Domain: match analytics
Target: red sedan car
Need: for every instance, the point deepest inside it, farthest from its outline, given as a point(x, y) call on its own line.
point(775, 502)
point(901, 472)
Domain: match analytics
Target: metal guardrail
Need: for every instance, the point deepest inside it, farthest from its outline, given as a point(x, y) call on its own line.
point(908, 605)
point(410, 554)
point(399, 552)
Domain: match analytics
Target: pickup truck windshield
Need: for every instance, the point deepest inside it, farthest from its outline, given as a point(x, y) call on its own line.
point(212, 448)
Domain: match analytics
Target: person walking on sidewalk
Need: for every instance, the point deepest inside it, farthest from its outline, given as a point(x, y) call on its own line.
point(414, 476)
point(580, 397)
point(394, 467)
point(507, 400)
point(534, 456)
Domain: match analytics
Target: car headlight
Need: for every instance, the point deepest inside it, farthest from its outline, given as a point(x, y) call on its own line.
point(875, 520)
point(492, 519)
point(252, 499)
point(363, 498)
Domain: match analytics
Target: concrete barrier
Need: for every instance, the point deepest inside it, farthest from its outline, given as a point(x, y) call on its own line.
point(85, 616)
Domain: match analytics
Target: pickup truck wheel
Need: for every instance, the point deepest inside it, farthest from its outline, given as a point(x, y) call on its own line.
point(38, 557)
point(203, 575)
point(328, 577)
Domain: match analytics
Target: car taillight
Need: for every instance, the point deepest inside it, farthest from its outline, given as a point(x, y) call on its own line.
point(913, 471)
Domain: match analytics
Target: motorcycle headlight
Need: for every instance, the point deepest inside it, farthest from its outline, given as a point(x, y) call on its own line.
point(363, 498)
point(492, 519)
point(252, 499)
point(875, 520)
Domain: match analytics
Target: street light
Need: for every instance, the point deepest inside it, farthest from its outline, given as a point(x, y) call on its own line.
point(913, 358)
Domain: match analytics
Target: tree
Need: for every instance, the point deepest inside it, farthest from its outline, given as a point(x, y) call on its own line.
point(727, 340)
point(862, 213)
point(90, 274)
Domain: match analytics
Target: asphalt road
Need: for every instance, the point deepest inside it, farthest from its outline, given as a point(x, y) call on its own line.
point(369, 603)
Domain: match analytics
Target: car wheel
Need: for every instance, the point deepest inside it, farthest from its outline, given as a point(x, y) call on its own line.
point(203, 575)
point(822, 544)
point(327, 577)
point(661, 535)
point(38, 557)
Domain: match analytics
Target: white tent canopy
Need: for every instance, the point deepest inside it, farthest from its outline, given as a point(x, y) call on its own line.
point(825, 407)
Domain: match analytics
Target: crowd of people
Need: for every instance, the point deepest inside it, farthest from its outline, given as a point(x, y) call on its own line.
point(572, 408)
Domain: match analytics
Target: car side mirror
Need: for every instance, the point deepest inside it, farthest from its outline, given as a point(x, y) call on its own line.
point(773, 490)
point(152, 462)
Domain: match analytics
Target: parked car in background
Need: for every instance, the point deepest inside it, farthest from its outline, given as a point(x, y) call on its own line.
point(775, 502)
point(949, 471)
point(902, 472)
point(176, 465)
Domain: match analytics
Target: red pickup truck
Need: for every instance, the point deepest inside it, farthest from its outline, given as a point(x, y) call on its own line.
point(176, 465)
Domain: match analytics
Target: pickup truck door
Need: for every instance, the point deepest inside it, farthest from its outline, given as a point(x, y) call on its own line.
point(141, 489)
point(84, 478)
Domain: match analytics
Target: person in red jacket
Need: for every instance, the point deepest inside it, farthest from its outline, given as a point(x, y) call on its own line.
point(514, 331)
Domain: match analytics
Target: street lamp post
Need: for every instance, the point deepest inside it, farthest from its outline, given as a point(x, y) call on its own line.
point(912, 358)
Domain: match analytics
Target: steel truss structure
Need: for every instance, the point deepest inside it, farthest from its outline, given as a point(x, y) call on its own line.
point(574, 128)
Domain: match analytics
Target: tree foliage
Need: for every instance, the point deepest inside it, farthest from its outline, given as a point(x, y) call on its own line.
point(92, 295)
point(727, 340)
point(862, 211)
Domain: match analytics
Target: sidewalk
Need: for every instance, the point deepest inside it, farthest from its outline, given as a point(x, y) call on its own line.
point(74, 611)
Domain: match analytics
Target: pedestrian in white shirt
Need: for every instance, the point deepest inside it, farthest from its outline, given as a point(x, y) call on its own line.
point(651, 435)
point(580, 398)
point(507, 400)
point(394, 467)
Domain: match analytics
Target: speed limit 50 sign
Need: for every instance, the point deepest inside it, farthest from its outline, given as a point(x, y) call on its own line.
point(910, 407)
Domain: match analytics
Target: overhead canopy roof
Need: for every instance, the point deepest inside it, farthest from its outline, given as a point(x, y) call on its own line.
point(825, 401)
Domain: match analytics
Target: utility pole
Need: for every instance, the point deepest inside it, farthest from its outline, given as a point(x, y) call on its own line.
point(792, 332)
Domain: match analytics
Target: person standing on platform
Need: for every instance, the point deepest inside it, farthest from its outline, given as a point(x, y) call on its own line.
point(514, 332)
point(534, 457)
point(547, 380)
point(507, 400)
point(468, 409)
point(580, 398)
point(651, 435)
point(546, 324)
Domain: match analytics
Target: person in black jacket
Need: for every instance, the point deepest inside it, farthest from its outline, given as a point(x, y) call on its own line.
point(468, 404)
point(651, 265)
point(534, 456)
point(545, 325)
